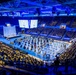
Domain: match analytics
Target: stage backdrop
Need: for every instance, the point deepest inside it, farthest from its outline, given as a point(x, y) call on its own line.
point(9, 31)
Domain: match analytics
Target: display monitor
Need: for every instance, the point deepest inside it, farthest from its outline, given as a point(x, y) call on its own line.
point(33, 23)
point(23, 23)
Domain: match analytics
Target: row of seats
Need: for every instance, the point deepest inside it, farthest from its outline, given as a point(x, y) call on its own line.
point(57, 21)
point(19, 59)
point(52, 32)
point(70, 54)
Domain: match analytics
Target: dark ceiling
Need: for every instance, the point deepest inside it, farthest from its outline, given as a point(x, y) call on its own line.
point(37, 7)
point(1, 1)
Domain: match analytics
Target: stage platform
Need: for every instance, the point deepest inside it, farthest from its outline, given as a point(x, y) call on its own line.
point(13, 37)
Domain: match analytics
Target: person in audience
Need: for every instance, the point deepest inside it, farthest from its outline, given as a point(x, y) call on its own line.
point(56, 63)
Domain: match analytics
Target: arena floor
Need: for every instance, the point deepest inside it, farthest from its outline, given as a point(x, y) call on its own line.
point(42, 48)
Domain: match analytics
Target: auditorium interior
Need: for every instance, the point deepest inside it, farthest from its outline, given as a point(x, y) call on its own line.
point(37, 37)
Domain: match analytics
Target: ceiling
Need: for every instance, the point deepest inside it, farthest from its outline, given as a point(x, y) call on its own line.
point(37, 7)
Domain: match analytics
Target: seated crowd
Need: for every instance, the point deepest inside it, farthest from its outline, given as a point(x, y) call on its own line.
point(57, 21)
point(16, 58)
point(57, 32)
point(69, 35)
point(52, 32)
point(70, 55)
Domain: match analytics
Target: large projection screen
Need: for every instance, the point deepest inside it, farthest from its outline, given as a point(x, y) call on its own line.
point(33, 23)
point(9, 31)
point(23, 23)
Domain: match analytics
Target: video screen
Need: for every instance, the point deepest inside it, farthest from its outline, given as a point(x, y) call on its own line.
point(33, 23)
point(23, 23)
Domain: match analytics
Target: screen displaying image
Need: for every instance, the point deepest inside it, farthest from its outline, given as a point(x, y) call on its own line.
point(33, 23)
point(23, 23)
point(9, 31)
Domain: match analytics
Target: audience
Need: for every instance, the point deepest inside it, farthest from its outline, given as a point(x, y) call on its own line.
point(18, 59)
point(70, 55)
